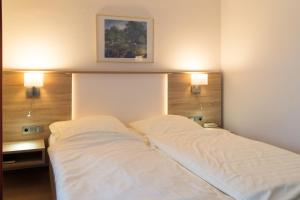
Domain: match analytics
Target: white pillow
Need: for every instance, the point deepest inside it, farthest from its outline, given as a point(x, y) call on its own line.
point(165, 124)
point(98, 123)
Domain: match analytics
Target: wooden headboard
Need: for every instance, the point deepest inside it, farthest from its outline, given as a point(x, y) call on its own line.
point(208, 104)
point(56, 98)
point(54, 104)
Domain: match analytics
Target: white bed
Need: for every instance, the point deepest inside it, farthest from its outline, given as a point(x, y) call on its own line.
point(242, 168)
point(96, 165)
point(100, 165)
point(113, 166)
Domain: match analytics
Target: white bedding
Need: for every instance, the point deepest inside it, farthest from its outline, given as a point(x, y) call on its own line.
point(111, 166)
point(51, 140)
point(243, 168)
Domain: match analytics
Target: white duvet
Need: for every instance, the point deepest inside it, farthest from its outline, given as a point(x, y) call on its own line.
point(243, 168)
point(111, 166)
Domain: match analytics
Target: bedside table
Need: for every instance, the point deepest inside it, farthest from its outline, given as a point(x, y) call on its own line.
point(24, 154)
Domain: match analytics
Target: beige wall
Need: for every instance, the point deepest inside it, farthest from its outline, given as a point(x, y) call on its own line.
point(261, 64)
point(62, 33)
point(260, 50)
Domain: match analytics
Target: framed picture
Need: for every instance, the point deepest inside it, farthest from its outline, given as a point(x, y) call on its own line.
point(124, 39)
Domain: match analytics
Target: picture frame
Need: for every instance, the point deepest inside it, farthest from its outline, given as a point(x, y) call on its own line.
point(125, 39)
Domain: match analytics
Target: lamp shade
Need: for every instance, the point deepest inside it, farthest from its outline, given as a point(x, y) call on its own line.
point(33, 79)
point(199, 79)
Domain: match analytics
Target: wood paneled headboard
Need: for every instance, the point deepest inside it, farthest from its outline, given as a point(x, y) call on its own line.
point(54, 104)
point(208, 104)
point(56, 100)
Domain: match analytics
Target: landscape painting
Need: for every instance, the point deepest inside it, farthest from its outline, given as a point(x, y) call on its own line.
point(125, 39)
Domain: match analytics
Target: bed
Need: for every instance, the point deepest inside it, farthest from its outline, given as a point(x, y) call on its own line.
point(242, 168)
point(92, 160)
point(181, 160)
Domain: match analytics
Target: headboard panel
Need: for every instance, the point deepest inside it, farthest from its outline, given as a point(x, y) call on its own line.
point(126, 96)
point(182, 102)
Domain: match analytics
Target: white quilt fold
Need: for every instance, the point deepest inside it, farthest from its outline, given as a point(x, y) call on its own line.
point(243, 168)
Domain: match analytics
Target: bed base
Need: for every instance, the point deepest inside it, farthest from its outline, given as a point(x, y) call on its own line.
point(52, 181)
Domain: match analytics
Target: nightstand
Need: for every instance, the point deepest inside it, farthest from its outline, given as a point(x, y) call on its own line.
point(24, 154)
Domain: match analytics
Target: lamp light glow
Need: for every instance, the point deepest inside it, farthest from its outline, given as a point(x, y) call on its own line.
point(198, 79)
point(33, 81)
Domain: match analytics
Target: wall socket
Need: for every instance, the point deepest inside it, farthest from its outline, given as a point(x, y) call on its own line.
point(197, 118)
point(32, 129)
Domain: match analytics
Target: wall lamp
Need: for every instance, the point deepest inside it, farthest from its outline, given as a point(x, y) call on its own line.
point(33, 81)
point(198, 79)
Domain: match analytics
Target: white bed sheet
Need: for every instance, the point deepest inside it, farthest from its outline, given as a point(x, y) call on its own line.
point(115, 167)
point(243, 168)
point(51, 140)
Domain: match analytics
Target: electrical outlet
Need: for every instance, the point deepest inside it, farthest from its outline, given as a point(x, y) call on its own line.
point(197, 118)
point(32, 129)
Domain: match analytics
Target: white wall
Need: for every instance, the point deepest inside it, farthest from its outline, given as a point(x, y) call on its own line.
point(261, 64)
point(62, 33)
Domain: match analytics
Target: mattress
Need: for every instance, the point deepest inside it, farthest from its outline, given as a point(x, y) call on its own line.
point(112, 166)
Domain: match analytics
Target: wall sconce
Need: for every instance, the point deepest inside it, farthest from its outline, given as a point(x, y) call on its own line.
point(198, 79)
point(33, 81)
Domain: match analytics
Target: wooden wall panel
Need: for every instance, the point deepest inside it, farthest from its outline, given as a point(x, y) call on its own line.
point(182, 102)
point(54, 104)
